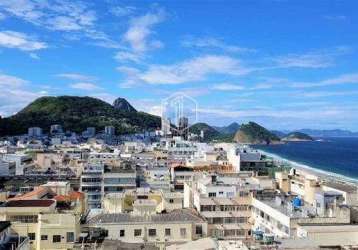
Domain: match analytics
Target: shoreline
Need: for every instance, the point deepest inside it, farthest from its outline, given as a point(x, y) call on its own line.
point(323, 174)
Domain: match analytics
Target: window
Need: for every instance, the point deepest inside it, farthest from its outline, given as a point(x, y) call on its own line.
point(44, 237)
point(212, 194)
point(221, 192)
point(24, 218)
point(56, 238)
point(183, 232)
point(31, 236)
point(240, 232)
point(242, 220)
point(199, 229)
point(171, 201)
point(137, 232)
point(70, 236)
point(121, 233)
point(152, 232)
point(167, 232)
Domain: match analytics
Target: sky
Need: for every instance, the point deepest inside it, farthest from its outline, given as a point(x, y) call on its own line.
point(284, 64)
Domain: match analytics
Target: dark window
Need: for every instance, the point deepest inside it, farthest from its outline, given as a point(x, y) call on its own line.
point(121, 233)
point(32, 236)
point(212, 194)
point(167, 232)
point(152, 232)
point(199, 229)
point(56, 238)
point(171, 201)
point(44, 237)
point(70, 236)
point(137, 232)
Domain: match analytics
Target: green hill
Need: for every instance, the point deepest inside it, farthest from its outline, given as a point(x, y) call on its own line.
point(76, 114)
point(209, 132)
point(230, 129)
point(253, 133)
point(297, 136)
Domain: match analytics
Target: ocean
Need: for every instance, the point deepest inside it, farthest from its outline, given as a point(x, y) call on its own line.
point(335, 155)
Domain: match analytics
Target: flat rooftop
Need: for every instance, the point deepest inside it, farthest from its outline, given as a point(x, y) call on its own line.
point(181, 215)
point(29, 203)
point(349, 188)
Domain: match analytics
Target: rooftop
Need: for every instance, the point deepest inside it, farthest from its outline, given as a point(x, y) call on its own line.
point(349, 188)
point(182, 215)
point(29, 203)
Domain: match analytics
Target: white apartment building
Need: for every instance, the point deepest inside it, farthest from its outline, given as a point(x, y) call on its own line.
point(280, 214)
point(22, 162)
point(225, 205)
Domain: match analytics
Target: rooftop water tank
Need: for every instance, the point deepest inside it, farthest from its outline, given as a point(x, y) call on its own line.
point(297, 202)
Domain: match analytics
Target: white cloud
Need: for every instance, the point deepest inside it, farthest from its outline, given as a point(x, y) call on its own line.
point(59, 15)
point(227, 87)
point(318, 94)
point(316, 114)
point(314, 59)
point(34, 56)
point(151, 106)
point(11, 81)
point(14, 94)
point(76, 77)
point(342, 79)
point(140, 29)
point(128, 56)
point(122, 11)
point(21, 41)
point(211, 42)
point(55, 15)
point(195, 69)
point(138, 37)
point(84, 86)
point(304, 61)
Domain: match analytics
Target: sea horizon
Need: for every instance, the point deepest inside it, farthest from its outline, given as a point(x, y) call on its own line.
point(319, 156)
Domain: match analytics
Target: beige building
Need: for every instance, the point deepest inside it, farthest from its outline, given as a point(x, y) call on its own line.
point(125, 202)
point(50, 221)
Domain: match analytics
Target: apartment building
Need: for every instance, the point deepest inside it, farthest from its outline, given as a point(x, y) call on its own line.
point(119, 179)
point(91, 184)
point(224, 203)
point(176, 226)
point(22, 162)
point(125, 201)
point(48, 223)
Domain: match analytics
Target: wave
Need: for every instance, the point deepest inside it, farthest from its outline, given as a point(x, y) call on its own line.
point(325, 174)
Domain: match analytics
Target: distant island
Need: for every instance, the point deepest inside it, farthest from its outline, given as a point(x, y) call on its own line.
point(297, 136)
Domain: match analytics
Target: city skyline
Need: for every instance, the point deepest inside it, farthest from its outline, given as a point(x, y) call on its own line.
point(284, 65)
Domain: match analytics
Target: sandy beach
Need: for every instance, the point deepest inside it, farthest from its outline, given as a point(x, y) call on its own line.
point(322, 174)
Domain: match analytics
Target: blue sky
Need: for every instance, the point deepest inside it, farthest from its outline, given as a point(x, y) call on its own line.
point(284, 64)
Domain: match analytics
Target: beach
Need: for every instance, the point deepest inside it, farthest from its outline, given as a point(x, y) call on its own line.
point(321, 174)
